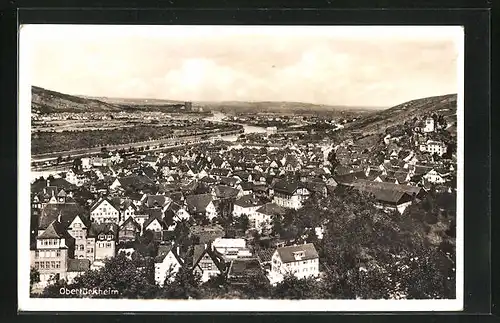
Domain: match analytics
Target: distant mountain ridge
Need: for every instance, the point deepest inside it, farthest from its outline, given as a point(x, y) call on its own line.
point(48, 101)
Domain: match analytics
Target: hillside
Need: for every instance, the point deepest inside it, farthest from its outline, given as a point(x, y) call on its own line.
point(47, 101)
point(377, 122)
point(275, 106)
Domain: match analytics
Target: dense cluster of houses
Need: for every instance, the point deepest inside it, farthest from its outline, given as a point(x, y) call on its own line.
point(90, 212)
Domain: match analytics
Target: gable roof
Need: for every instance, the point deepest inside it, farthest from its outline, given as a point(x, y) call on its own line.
point(244, 267)
point(51, 212)
point(287, 253)
point(53, 231)
point(271, 209)
point(130, 220)
point(229, 181)
point(199, 202)
point(155, 200)
point(248, 201)
point(200, 251)
point(225, 192)
point(152, 218)
point(287, 186)
point(164, 250)
point(106, 228)
point(113, 202)
point(135, 181)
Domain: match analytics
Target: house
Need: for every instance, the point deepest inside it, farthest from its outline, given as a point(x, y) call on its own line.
point(222, 192)
point(155, 224)
point(76, 267)
point(207, 233)
point(242, 270)
point(290, 194)
point(434, 147)
point(261, 219)
point(129, 230)
point(208, 262)
point(75, 177)
point(302, 261)
point(167, 263)
point(247, 204)
point(54, 246)
point(434, 177)
point(429, 125)
point(105, 211)
point(77, 228)
point(201, 205)
point(151, 161)
point(102, 239)
point(176, 211)
point(155, 201)
point(218, 173)
point(390, 196)
point(231, 248)
point(127, 209)
point(133, 183)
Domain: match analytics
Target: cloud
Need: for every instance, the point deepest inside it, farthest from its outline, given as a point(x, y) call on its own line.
point(304, 65)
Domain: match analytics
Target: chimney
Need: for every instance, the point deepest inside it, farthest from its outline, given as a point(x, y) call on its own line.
point(48, 182)
point(205, 246)
point(178, 250)
point(59, 217)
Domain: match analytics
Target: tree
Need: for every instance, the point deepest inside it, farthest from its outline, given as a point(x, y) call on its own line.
point(77, 164)
point(257, 286)
point(292, 287)
point(243, 223)
point(184, 286)
point(34, 277)
point(119, 274)
point(53, 288)
point(332, 158)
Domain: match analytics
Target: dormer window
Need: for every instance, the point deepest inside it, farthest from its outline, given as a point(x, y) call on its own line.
point(298, 255)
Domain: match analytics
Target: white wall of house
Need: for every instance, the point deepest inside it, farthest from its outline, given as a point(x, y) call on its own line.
point(170, 264)
point(105, 213)
point(299, 268)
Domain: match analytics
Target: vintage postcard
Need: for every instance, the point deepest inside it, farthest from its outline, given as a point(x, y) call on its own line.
point(240, 168)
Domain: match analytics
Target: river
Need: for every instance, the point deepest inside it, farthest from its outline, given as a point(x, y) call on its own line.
point(219, 117)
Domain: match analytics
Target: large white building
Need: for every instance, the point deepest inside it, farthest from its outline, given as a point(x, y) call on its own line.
point(290, 194)
point(434, 147)
point(302, 261)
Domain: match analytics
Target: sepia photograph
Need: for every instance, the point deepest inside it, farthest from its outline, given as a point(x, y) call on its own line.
point(240, 168)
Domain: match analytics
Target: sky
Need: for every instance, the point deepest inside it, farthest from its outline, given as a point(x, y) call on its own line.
point(346, 66)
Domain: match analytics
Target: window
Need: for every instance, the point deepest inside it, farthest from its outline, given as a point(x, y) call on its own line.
point(108, 244)
point(58, 264)
point(58, 253)
point(52, 264)
point(37, 254)
point(37, 265)
point(206, 265)
point(42, 265)
point(52, 254)
point(82, 247)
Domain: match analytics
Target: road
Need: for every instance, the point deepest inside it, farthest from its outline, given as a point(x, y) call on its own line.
point(170, 142)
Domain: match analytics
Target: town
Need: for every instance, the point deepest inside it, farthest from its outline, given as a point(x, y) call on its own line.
point(235, 212)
